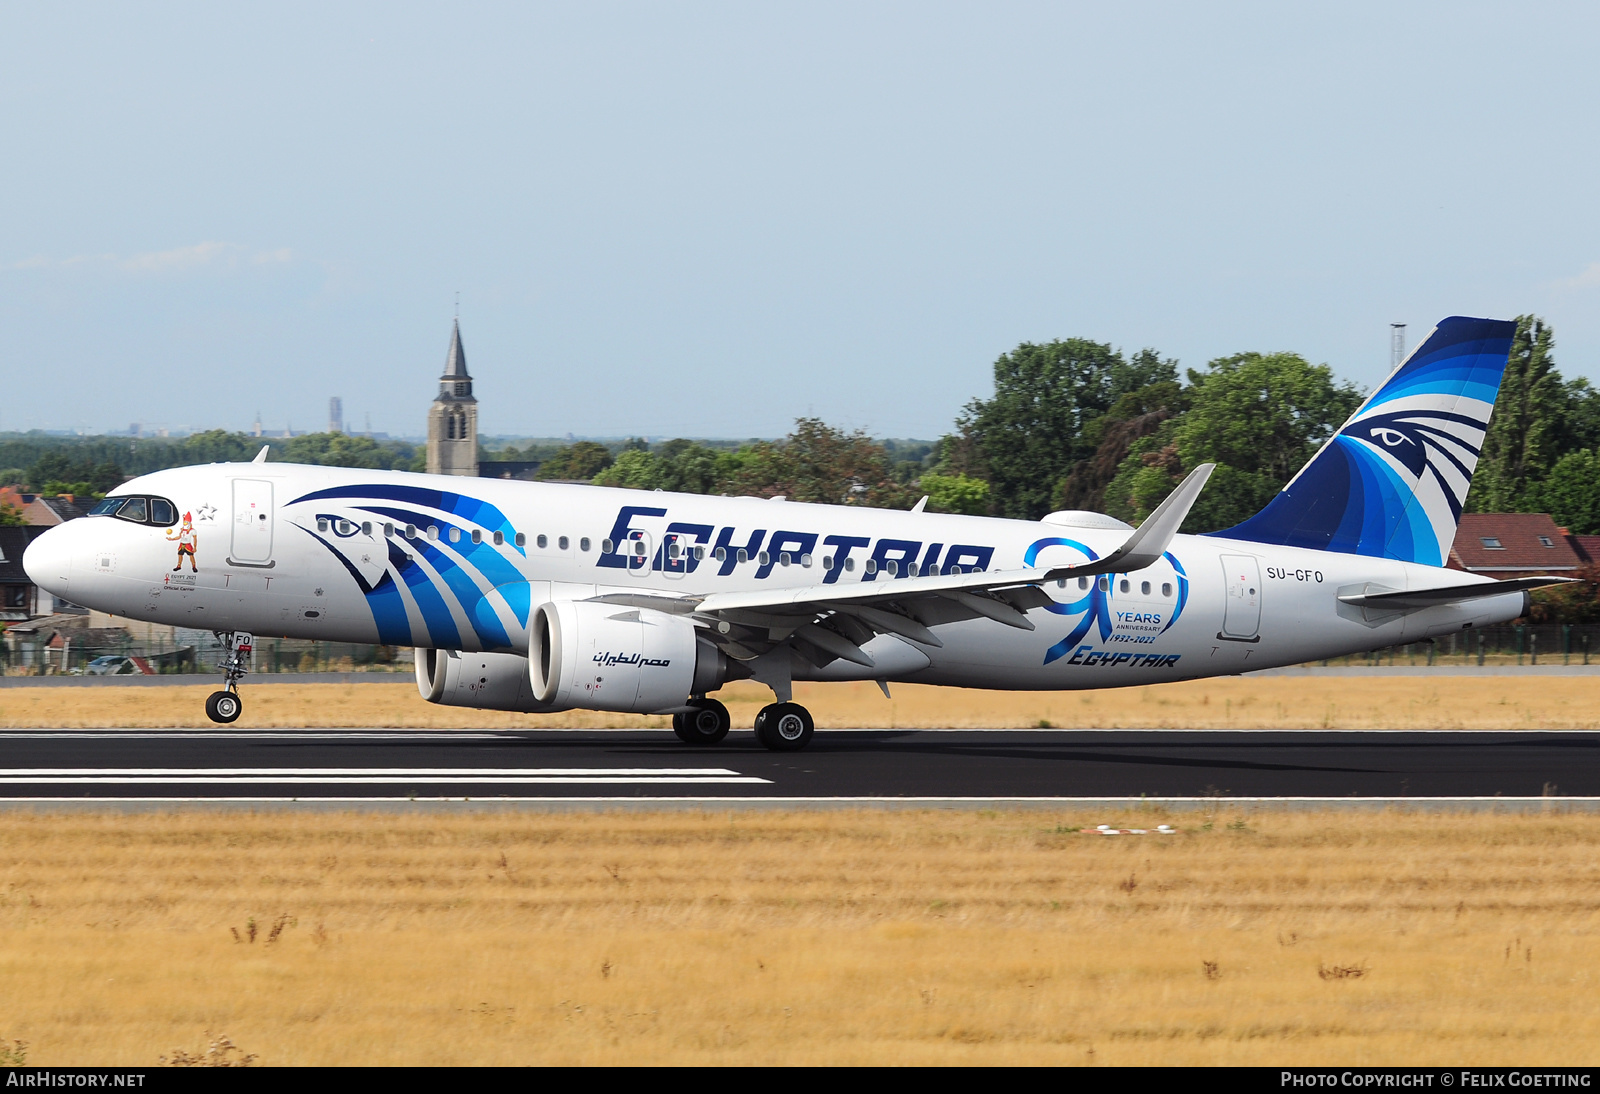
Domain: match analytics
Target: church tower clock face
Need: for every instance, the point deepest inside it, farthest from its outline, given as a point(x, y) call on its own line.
point(453, 418)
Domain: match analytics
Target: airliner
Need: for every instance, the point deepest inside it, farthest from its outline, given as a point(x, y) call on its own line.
point(545, 597)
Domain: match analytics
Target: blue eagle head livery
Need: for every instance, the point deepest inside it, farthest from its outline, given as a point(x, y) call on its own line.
point(1392, 481)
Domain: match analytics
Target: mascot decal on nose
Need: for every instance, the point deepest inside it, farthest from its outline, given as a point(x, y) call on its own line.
point(186, 543)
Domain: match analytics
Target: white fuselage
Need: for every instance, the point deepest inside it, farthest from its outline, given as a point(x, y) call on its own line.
point(322, 553)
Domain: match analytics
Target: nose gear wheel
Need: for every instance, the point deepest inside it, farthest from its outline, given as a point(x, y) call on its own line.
point(225, 706)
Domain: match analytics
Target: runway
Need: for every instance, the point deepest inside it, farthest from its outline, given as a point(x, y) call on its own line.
point(841, 766)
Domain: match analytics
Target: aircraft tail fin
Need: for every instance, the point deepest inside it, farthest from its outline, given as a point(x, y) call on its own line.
point(1392, 480)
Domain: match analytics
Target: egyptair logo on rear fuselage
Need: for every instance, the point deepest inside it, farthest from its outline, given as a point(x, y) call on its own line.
point(1126, 609)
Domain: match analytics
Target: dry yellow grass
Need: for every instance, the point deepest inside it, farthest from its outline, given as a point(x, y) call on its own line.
point(893, 937)
point(1287, 702)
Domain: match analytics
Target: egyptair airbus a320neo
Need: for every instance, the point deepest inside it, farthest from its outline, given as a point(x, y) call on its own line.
point(544, 597)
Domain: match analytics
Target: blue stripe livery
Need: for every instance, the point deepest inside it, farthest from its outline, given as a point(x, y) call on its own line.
point(1392, 481)
point(459, 566)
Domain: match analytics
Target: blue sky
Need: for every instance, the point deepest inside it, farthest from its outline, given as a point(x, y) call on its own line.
point(707, 219)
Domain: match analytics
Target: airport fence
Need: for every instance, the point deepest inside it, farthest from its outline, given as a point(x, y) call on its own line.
point(196, 653)
point(1522, 644)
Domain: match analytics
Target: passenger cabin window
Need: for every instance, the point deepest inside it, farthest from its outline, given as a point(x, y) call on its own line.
point(1166, 588)
point(563, 543)
point(499, 538)
point(543, 541)
point(583, 545)
point(522, 539)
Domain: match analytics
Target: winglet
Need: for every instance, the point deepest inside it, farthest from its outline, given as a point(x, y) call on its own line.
point(917, 508)
point(261, 457)
point(1151, 539)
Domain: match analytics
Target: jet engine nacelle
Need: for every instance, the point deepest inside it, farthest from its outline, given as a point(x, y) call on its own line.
point(487, 681)
point(609, 657)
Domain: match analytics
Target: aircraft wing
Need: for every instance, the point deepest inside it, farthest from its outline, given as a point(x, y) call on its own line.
point(824, 622)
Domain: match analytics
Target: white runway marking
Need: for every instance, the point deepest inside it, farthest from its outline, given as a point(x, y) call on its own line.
point(453, 776)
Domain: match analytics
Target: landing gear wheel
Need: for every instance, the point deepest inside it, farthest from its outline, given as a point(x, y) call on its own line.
point(784, 727)
point(706, 724)
point(223, 706)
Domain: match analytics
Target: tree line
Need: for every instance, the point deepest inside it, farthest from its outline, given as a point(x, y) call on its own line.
point(1071, 424)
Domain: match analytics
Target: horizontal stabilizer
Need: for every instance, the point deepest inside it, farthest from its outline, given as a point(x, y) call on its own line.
point(1407, 599)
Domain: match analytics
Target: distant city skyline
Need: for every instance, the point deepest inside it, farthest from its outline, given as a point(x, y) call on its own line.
point(708, 219)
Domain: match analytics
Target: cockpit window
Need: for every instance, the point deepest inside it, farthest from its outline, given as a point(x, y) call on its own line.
point(158, 511)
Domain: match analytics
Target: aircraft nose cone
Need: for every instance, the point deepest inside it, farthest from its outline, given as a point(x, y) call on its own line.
point(48, 560)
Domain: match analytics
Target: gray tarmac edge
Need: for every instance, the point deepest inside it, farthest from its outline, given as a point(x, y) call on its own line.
point(1156, 806)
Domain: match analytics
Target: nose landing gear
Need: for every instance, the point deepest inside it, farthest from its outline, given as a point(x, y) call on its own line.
point(225, 706)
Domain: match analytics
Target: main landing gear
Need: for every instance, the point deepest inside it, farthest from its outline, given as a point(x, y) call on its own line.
point(781, 727)
point(706, 724)
point(784, 727)
point(225, 706)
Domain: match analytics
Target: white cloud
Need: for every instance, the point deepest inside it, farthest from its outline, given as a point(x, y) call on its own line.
point(178, 258)
point(1588, 279)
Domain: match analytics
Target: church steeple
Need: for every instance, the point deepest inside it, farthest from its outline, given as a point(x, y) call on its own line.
point(455, 383)
point(453, 418)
